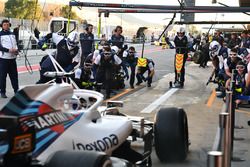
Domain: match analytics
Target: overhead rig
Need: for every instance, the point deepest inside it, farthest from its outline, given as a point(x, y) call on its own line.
point(109, 10)
point(194, 9)
point(212, 22)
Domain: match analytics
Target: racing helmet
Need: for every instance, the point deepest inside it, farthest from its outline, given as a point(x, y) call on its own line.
point(181, 30)
point(115, 49)
point(73, 39)
point(214, 48)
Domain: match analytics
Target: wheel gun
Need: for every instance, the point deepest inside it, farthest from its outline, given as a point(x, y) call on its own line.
point(210, 78)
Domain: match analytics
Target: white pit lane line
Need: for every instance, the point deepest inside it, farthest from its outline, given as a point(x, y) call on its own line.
point(159, 101)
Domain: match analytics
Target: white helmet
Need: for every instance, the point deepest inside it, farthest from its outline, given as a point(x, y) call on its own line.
point(73, 39)
point(115, 49)
point(181, 30)
point(214, 48)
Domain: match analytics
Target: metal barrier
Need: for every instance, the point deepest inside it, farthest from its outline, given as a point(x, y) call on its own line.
point(214, 159)
point(223, 144)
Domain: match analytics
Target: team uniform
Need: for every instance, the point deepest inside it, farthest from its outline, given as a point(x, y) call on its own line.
point(67, 55)
point(106, 69)
point(8, 61)
point(141, 70)
point(131, 61)
point(181, 48)
point(87, 45)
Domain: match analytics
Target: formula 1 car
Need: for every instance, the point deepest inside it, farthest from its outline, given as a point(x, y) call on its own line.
point(58, 126)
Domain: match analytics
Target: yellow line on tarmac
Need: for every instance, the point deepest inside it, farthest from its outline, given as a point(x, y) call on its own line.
point(120, 94)
point(244, 112)
point(211, 98)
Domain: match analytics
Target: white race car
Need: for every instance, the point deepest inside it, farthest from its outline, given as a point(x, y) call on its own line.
point(58, 126)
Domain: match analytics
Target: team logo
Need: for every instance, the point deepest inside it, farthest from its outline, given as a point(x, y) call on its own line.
point(98, 145)
point(22, 144)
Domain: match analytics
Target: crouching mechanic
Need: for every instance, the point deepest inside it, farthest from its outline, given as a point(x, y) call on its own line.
point(68, 53)
point(130, 57)
point(218, 55)
point(141, 70)
point(105, 63)
point(84, 77)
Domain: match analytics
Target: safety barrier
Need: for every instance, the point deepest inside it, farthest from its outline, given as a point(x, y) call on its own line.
point(222, 150)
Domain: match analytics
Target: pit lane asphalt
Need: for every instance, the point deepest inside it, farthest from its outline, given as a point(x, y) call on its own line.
point(202, 118)
point(202, 108)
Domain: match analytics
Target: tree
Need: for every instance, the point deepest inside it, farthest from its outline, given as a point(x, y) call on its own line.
point(193, 29)
point(22, 9)
point(64, 12)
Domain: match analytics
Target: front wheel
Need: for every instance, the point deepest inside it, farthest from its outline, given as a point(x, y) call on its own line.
point(171, 134)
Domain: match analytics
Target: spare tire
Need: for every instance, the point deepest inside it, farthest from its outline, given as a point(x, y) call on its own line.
point(78, 159)
point(171, 134)
point(197, 57)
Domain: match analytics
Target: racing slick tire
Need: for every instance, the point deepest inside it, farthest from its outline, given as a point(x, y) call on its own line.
point(197, 57)
point(171, 135)
point(78, 159)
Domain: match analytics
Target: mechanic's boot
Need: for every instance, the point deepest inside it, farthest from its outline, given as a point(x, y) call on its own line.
point(138, 83)
point(149, 85)
point(3, 95)
point(132, 86)
point(181, 84)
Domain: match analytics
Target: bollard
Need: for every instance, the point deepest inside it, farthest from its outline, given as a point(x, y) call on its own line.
point(214, 159)
point(225, 144)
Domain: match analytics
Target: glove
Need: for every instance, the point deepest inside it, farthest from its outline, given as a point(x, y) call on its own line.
point(125, 47)
point(36, 32)
point(42, 44)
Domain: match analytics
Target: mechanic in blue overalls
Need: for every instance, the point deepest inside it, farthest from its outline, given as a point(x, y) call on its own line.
point(141, 70)
point(130, 58)
point(231, 62)
point(218, 54)
point(87, 42)
point(245, 39)
point(68, 53)
point(117, 39)
point(105, 64)
point(246, 53)
point(84, 77)
point(240, 82)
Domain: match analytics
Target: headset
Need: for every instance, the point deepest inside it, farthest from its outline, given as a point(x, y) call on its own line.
point(87, 27)
point(5, 21)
